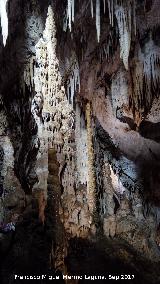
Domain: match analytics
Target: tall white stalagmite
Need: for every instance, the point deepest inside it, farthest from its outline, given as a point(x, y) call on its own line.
point(98, 19)
point(56, 121)
point(4, 20)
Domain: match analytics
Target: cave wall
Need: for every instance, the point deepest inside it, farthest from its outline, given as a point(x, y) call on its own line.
point(83, 81)
point(118, 56)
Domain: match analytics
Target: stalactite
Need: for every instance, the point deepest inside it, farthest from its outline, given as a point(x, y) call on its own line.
point(4, 20)
point(123, 16)
point(104, 6)
point(70, 13)
point(92, 13)
point(73, 81)
point(73, 10)
point(65, 20)
point(106, 50)
point(146, 77)
point(98, 19)
point(111, 11)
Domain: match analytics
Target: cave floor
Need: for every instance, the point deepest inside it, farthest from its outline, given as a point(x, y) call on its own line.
point(26, 252)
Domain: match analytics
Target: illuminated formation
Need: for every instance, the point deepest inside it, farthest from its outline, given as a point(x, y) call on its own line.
point(49, 105)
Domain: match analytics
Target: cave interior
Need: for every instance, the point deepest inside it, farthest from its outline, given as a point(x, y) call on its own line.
point(80, 141)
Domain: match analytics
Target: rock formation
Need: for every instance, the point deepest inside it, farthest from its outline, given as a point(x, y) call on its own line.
point(79, 133)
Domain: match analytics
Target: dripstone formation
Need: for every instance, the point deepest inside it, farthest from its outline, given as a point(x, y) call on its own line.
point(79, 138)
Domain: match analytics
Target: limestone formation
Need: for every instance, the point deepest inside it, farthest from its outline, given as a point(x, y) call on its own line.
point(79, 136)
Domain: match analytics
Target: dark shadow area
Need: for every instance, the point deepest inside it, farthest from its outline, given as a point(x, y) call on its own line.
point(129, 121)
point(106, 141)
point(28, 252)
point(109, 257)
point(149, 173)
point(150, 130)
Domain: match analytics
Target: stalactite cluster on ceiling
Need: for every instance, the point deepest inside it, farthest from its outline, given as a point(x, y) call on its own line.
point(122, 16)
